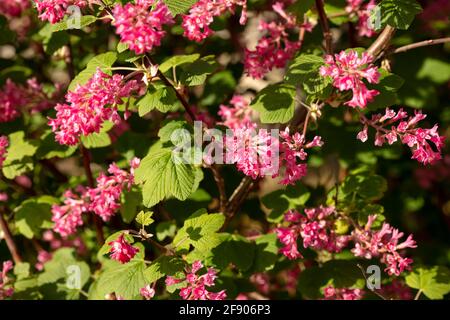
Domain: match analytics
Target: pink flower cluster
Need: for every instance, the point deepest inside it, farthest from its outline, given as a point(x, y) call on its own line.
point(89, 106)
point(201, 15)
point(121, 250)
point(292, 151)
point(426, 144)
point(15, 98)
point(239, 115)
point(5, 289)
point(332, 293)
point(275, 48)
point(196, 285)
point(382, 243)
point(13, 8)
point(103, 200)
point(54, 10)
point(147, 292)
point(362, 11)
point(316, 228)
point(3, 146)
point(140, 25)
point(348, 70)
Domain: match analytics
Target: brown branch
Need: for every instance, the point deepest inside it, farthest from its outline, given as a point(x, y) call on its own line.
point(365, 277)
point(90, 178)
point(9, 239)
point(325, 26)
point(420, 44)
point(221, 186)
point(382, 42)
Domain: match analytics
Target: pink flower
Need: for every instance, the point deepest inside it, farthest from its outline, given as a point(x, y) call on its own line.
point(348, 71)
point(54, 10)
point(121, 250)
point(196, 288)
point(147, 292)
point(332, 293)
point(382, 243)
point(426, 144)
point(3, 149)
point(42, 258)
point(13, 8)
point(68, 218)
point(239, 115)
point(6, 289)
point(316, 228)
point(140, 25)
point(201, 15)
point(363, 12)
point(275, 48)
point(90, 105)
point(104, 199)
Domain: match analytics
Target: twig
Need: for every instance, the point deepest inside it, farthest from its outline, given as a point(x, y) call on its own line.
point(90, 178)
point(420, 44)
point(382, 42)
point(9, 239)
point(325, 27)
point(418, 294)
point(221, 186)
point(365, 277)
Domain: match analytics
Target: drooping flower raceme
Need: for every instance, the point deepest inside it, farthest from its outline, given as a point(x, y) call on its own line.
point(147, 292)
point(68, 217)
point(140, 24)
point(332, 293)
point(6, 289)
point(275, 48)
point(426, 144)
point(89, 106)
point(13, 8)
point(3, 146)
point(121, 250)
point(316, 228)
point(362, 11)
point(55, 10)
point(383, 243)
point(348, 70)
point(104, 199)
point(196, 288)
point(201, 15)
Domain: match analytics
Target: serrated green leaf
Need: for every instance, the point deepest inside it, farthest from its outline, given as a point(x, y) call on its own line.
point(275, 103)
point(433, 282)
point(33, 215)
point(144, 218)
point(100, 139)
point(71, 23)
point(398, 13)
point(231, 250)
point(18, 158)
point(158, 97)
point(179, 6)
point(195, 74)
point(164, 266)
point(176, 61)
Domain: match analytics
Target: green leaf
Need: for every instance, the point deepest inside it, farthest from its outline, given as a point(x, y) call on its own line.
point(164, 266)
point(179, 6)
point(49, 148)
point(165, 133)
point(398, 13)
point(22, 270)
point(275, 103)
point(158, 97)
point(231, 250)
point(33, 215)
point(199, 230)
point(165, 230)
point(196, 73)
point(100, 139)
point(145, 218)
point(280, 201)
point(165, 176)
point(66, 272)
point(103, 61)
point(388, 86)
point(266, 253)
point(131, 200)
point(125, 280)
point(69, 24)
point(18, 158)
point(175, 61)
point(434, 282)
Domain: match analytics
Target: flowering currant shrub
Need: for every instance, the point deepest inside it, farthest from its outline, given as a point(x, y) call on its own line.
point(224, 149)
